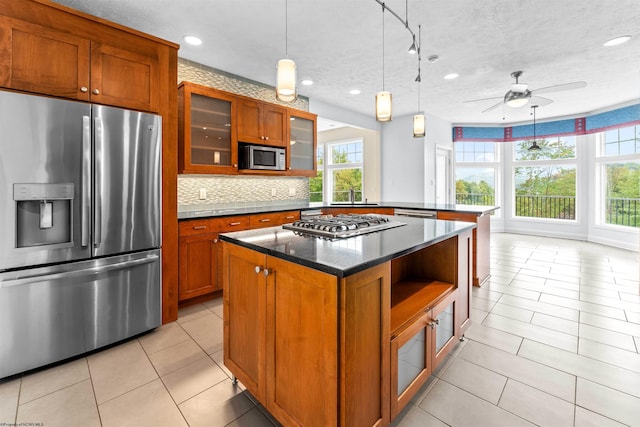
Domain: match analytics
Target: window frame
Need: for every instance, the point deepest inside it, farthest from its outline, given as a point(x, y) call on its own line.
point(328, 167)
point(496, 165)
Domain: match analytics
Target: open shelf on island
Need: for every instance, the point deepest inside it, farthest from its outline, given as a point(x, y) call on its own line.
point(412, 298)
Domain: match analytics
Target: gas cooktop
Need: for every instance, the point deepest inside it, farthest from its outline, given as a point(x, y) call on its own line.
point(342, 226)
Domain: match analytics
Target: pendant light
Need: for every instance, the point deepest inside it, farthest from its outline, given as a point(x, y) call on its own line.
point(286, 75)
point(418, 119)
point(383, 98)
point(534, 146)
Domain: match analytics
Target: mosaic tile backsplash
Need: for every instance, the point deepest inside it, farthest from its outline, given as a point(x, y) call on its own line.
point(239, 191)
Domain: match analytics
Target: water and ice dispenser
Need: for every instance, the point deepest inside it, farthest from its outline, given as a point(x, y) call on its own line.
point(43, 214)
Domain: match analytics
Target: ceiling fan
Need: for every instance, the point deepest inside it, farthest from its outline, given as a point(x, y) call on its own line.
point(520, 94)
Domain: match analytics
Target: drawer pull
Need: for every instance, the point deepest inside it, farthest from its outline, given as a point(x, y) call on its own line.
point(234, 223)
point(200, 227)
point(265, 220)
point(290, 217)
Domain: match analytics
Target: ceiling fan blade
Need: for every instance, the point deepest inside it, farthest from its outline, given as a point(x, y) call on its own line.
point(482, 99)
point(540, 101)
point(558, 88)
point(493, 107)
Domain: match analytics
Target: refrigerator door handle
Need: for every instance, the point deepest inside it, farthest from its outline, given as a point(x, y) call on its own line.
point(97, 215)
point(83, 272)
point(85, 188)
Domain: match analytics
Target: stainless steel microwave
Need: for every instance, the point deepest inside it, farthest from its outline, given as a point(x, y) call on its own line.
point(262, 157)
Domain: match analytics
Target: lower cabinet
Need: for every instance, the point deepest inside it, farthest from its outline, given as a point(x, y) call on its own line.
point(198, 265)
point(419, 349)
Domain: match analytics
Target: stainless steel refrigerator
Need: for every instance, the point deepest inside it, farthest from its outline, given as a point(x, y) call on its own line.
point(80, 228)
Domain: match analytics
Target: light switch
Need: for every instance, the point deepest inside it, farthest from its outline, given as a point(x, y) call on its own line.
point(203, 194)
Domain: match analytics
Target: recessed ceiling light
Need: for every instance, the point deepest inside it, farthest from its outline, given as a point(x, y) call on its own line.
point(616, 41)
point(307, 82)
point(354, 91)
point(193, 40)
point(451, 76)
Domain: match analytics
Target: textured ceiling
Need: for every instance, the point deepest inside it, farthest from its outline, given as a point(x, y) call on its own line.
point(338, 44)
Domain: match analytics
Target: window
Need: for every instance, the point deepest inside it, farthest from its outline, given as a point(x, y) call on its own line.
point(477, 171)
point(619, 172)
point(545, 179)
point(340, 169)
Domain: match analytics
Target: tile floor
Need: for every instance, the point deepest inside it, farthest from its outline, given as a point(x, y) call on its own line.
point(555, 341)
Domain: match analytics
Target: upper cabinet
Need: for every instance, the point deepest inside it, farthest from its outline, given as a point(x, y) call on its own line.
point(206, 134)
point(212, 123)
point(52, 60)
point(302, 143)
point(261, 123)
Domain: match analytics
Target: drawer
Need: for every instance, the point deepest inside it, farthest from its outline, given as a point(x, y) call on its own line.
point(193, 227)
point(229, 223)
point(273, 218)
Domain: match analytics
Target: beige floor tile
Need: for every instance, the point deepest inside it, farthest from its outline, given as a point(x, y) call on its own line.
point(193, 379)
point(206, 330)
point(633, 316)
point(192, 312)
point(253, 418)
point(630, 306)
point(46, 381)
point(485, 293)
point(534, 374)
point(477, 316)
point(594, 370)
point(606, 336)
point(413, 416)
point(9, 392)
point(610, 403)
point(163, 337)
point(215, 305)
point(532, 332)
point(468, 409)
point(482, 304)
point(70, 406)
point(475, 379)
point(539, 307)
point(494, 338)
point(218, 357)
point(512, 312)
point(513, 290)
point(637, 340)
point(602, 292)
point(424, 390)
point(146, 406)
point(176, 357)
point(629, 296)
point(500, 278)
point(555, 323)
point(587, 418)
point(120, 369)
point(560, 284)
point(610, 324)
point(567, 293)
point(536, 406)
point(584, 306)
point(216, 406)
point(612, 355)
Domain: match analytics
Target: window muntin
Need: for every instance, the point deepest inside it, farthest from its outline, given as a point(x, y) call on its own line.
point(621, 141)
point(316, 183)
point(340, 168)
point(477, 173)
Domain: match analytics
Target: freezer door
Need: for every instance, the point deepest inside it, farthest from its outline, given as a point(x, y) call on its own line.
point(43, 143)
point(127, 180)
point(53, 313)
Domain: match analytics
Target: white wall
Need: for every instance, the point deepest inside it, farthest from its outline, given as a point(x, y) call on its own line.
point(438, 133)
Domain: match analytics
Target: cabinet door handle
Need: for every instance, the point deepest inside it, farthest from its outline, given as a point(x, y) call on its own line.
point(266, 272)
point(234, 223)
point(83, 89)
point(258, 269)
point(432, 325)
point(235, 165)
point(265, 220)
point(96, 92)
point(266, 138)
point(215, 240)
point(200, 227)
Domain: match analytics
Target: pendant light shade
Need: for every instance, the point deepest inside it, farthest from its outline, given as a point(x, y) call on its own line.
point(286, 80)
point(534, 146)
point(418, 125)
point(383, 106)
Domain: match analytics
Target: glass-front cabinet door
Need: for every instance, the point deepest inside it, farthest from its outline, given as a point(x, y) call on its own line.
point(302, 143)
point(444, 327)
point(206, 135)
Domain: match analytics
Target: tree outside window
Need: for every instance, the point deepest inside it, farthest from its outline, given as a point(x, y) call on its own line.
point(340, 173)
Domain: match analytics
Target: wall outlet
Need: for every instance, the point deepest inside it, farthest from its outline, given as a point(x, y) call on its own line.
point(202, 194)
point(292, 191)
point(273, 192)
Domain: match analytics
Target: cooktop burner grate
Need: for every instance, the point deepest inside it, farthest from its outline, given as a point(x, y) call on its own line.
point(342, 226)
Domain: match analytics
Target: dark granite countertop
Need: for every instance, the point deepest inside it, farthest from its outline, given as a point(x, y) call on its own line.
point(473, 209)
point(344, 257)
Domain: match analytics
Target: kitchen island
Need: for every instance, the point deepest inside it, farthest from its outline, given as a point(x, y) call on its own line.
point(344, 331)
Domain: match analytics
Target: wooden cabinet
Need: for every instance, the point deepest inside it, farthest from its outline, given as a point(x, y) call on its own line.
point(262, 123)
point(302, 143)
point(206, 135)
point(284, 352)
point(200, 254)
point(54, 61)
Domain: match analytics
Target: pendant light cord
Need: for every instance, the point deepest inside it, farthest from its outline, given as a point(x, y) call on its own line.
point(286, 28)
point(383, 7)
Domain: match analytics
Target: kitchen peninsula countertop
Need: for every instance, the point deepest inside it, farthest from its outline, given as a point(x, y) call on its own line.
point(343, 257)
point(208, 213)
